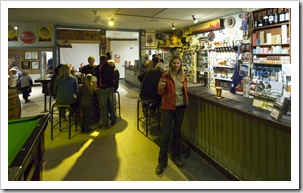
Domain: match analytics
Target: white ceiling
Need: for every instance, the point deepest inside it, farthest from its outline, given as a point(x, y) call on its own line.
point(126, 19)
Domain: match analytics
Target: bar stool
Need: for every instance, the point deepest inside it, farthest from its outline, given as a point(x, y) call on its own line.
point(150, 117)
point(71, 111)
point(50, 104)
point(117, 102)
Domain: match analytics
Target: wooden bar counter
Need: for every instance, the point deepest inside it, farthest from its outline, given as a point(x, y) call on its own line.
point(131, 75)
point(244, 140)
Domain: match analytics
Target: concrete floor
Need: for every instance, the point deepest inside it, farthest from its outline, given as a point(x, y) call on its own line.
point(120, 153)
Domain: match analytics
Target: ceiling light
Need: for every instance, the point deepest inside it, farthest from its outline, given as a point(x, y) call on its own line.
point(111, 22)
point(172, 26)
point(195, 20)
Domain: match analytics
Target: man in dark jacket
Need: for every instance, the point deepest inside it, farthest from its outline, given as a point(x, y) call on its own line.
point(149, 87)
point(105, 83)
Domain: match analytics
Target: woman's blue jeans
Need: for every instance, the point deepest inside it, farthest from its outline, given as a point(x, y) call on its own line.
point(171, 123)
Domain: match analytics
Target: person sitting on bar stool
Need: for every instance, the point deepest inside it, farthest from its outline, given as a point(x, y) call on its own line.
point(149, 88)
point(66, 88)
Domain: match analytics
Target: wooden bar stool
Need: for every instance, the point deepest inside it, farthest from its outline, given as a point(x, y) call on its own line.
point(71, 111)
point(150, 117)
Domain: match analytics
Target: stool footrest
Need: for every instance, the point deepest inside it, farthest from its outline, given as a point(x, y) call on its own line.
point(55, 107)
point(148, 119)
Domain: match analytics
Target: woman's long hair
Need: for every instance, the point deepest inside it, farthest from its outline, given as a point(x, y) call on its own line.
point(64, 71)
point(180, 73)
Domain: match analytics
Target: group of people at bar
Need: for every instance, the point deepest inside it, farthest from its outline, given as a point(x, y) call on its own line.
point(101, 80)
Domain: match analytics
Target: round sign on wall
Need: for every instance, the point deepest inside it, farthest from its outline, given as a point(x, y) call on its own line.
point(27, 37)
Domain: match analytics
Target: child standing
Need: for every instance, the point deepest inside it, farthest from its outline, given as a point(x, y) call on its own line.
point(26, 84)
point(87, 92)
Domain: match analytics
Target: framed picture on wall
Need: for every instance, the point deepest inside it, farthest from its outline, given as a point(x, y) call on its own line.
point(142, 32)
point(25, 64)
point(142, 45)
point(150, 39)
point(27, 55)
point(12, 33)
point(159, 36)
point(45, 33)
point(35, 65)
point(35, 56)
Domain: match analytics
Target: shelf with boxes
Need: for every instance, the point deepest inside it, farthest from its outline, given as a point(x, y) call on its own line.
point(271, 45)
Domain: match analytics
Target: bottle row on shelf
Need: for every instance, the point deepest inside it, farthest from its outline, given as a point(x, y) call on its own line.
point(272, 59)
point(271, 17)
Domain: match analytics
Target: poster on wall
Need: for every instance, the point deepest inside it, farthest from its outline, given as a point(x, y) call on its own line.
point(45, 33)
point(12, 33)
point(25, 64)
point(117, 58)
point(35, 65)
point(150, 39)
point(207, 26)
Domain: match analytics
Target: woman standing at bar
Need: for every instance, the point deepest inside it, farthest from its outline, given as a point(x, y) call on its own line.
point(173, 89)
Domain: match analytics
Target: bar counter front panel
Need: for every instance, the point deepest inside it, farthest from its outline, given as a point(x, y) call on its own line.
point(131, 75)
point(242, 139)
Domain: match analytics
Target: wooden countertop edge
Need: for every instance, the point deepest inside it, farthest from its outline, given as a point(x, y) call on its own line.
point(245, 108)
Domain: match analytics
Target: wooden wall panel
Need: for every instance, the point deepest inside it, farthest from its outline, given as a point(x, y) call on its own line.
point(248, 149)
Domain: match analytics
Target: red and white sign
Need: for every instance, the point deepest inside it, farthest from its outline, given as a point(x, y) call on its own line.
point(27, 37)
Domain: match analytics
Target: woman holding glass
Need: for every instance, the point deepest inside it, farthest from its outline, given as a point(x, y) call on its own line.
point(173, 89)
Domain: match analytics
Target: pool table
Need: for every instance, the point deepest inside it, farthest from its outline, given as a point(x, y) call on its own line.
point(26, 147)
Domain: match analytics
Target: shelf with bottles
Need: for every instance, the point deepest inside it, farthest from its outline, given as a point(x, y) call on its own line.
point(272, 17)
point(223, 59)
point(225, 74)
point(274, 29)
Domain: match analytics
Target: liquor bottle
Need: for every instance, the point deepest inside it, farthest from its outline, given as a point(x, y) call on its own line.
point(260, 21)
point(282, 16)
point(286, 16)
point(256, 20)
point(265, 19)
point(270, 17)
point(276, 17)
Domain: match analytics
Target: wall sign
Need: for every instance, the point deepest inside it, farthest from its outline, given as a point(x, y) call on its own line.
point(35, 65)
point(207, 26)
point(27, 55)
point(27, 37)
point(35, 56)
point(25, 64)
point(45, 33)
point(12, 33)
